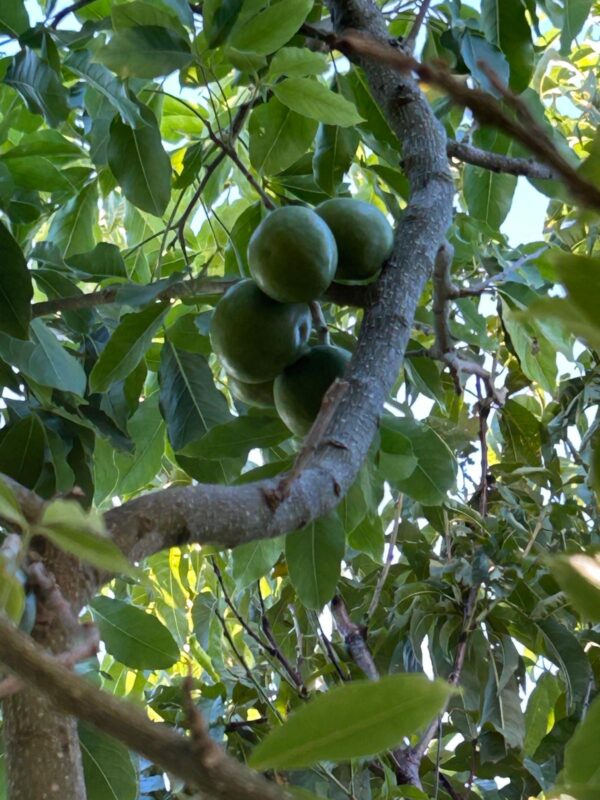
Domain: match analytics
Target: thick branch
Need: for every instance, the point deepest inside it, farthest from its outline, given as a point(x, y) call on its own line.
point(209, 770)
point(232, 515)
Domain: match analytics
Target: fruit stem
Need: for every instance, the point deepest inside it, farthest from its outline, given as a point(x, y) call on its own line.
point(319, 322)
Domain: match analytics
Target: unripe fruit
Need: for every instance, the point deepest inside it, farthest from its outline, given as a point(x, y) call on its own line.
point(259, 395)
point(299, 390)
point(255, 337)
point(292, 255)
point(363, 236)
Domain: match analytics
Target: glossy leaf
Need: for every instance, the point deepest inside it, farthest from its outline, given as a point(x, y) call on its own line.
point(313, 557)
point(22, 450)
point(39, 86)
point(145, 51)
point(126, 347)
point(135, 638)
point(359, 719)
point(189, 400)
point(278, 137)
point(140, 164)
point(312, 99)
point(108, 768)
point(271, 27)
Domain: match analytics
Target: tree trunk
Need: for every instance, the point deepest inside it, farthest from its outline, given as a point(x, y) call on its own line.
point(42, 750)
point(43, 756)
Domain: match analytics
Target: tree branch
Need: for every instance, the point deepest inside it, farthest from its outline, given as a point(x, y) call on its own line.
point(342, 295)
point(483, 105)
point(354, 639)
point(499, 163)
point(411, 39)
point(235, 514)
point(209, 770)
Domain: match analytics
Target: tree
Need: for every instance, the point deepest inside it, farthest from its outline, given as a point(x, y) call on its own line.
point(196, 588)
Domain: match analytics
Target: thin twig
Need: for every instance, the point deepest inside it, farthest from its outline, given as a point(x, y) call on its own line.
point(331, 652)
point(69, 10)
point(319, 322)
point(276, 652)
point(354, 638)
point(411, 39)
point(389, 558)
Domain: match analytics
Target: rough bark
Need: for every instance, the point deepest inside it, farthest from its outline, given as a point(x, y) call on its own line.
point(42, 746)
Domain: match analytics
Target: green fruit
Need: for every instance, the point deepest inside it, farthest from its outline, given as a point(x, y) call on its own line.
point(292, 255)
point(254, 394)
point(299, 390)
point(255, 337)
point(363, 235)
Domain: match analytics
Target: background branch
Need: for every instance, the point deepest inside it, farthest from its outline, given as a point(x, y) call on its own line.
point(212, 771)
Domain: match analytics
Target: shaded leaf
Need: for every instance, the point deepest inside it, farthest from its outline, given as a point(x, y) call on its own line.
point(16, 290)
point(145, 51)
point(39, 86)
point(107, 766)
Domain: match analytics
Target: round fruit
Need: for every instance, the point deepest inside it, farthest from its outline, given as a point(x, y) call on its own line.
point(299, 390)
point(363, 236)
point(292, 255)
point(254, 394)
point(256, 337)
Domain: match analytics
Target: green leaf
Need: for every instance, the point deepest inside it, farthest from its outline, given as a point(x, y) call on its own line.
point(435, 471)
point(145, 51)
point(237, 437)
point(135, 638)
point(67, 373)
point(10, 510)
point(579, 576)
point(44, 359)
point(488, 194)
point(564, 650)
point(582, 753)
point(104, 261)
point(362, 718)
point(22, 450)
point(107, 766)
point(521, 431)
point(219, 17)
point(82, 534)
point(334, 150)
point(72, 228)
point(309, 97)
point(278, 137)
point(537, 356)
point(140, 164)
point(253, 560)
point(103, 81)
point(296, 62)
point(147, 431)
point(271, 28)
point(127, 346)
point(12, 594)
point(575, 14)
point(475, 48)
point(189, 400)
point(539, 714)
point(39, 86)
point(505, 25)
point(313, 556)
point(16, 290)
point(14, 19)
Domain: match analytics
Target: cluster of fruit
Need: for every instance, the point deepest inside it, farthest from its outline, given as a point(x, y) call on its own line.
point(260, 328)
